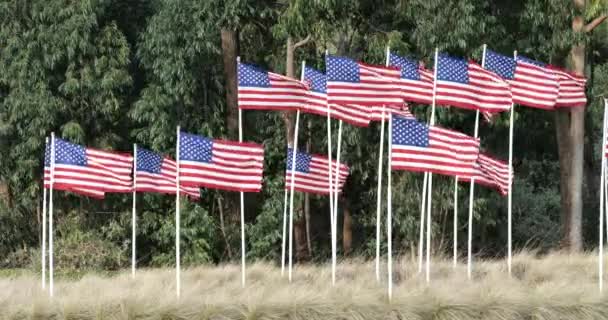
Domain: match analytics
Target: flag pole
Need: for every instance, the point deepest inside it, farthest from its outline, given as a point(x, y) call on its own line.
point(430, 179)
point(389, 208)
point(331, 200)
point(510, 195)
point(336, 187)
point(44, 213)
point(602, 203)
point(134, 213)
point(284, 232)
point(472, 188)
point(422, 219)
point(51, 271)
point(379, 189)
point(242, 194)
point(177, 219)
point(292, 186)
point(455, 241)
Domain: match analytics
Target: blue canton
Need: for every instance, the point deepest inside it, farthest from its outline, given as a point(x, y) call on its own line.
point(47, 155)
point(69, 153)
point(409, 132)
point(302, 161)
point(501, 65)
point(530, 61)
point(342, 69)
point(252, 76)
point(452, 69)
point(148, 161)
point(195, 148)
point(316, 79)
point(409, 68)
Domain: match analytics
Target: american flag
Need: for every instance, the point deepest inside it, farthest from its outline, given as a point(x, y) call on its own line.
point(317, 104)
point(418, 147)
point(351, 82)
point(93, 193)
point(90, 171)
point(220, 164)
point(466, 85)
point(376, 112)
point(415, 83)
point(155, 173)
point(312, 173)
point(490, 172)
point(263, 90)
point(532, 84)
point(571, 88)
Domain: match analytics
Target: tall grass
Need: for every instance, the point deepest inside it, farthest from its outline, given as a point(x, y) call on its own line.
point(557, 286)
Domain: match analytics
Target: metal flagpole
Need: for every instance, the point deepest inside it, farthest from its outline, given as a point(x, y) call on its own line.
point(284, 233)
point(510, 195)
point(379, 189)
point(177, 219)
point(331, 200)
point(44, 213)
point(291, 191)
point(243, 256)
point(51, 267)
point(336, 187)
point(455, 242)
point(134, 213)
point(422, 219)
point(472, 188)
point(430, 180)
point(389, 209)
point(471, 195)
point(293, 172)
point(602, 203)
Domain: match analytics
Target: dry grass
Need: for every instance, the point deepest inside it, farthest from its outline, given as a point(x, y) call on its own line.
point(557, 286)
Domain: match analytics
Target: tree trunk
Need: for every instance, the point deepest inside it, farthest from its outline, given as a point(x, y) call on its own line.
point(347, 228)
point(230, 52)
point(570, 125)
point(288, 118)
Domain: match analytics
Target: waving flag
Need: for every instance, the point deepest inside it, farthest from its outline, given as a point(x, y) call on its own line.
point(490, 172)
point(317, 102)
point(351, 82)
point(466, 85)
point(532, 84)
point(93, 193)
point(263, 90)
point(312, 173)
point(571, 88)
point(85, 170)
point(418, 147)
point(155, 173)
point(220, 164)
point(415, 82)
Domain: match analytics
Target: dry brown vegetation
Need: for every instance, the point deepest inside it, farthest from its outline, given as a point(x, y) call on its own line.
point(557, 286)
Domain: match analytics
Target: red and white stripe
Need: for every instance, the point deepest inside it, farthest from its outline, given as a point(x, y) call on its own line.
point(403, 111)
point(284, 93)
point(317, 179)
point(376, 86)
point(490, 172)
point(571, 89)
point(534, 86)
point(353, 114)
point(93, 193)
point(485, 91)
point(105, 172)
point(235, 166)
point(163, 182)
point(448, 153)
point(420, 91)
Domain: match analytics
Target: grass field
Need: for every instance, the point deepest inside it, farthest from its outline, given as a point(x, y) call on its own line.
point(557, 286)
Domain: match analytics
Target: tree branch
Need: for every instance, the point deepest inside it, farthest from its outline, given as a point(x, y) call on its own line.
point(594, 23)
point(301, 42)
